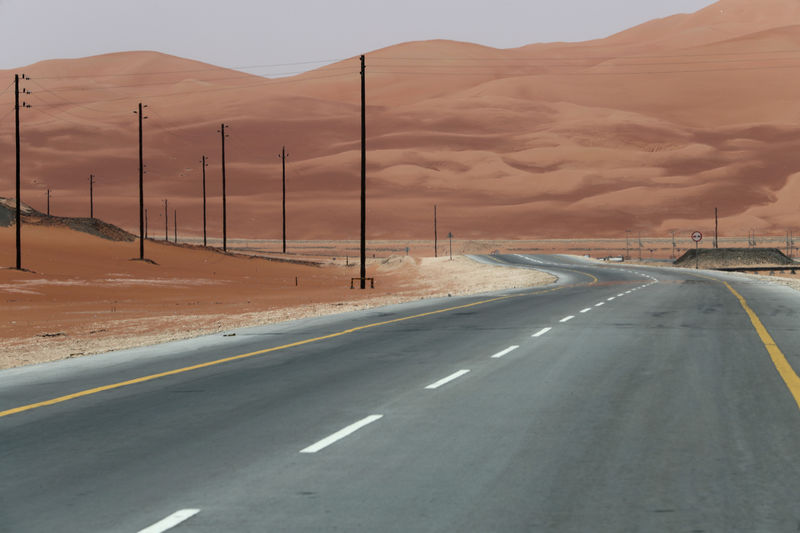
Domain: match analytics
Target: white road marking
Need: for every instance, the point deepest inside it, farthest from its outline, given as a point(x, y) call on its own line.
point(171, 521)
point(342, 433)
point(541, 332)
point(447, 380)
point(586, 310)
point(627, 292)
point(504, 352)
point(600, 304)
point(620, 295)
point(611, 299)
point(567, 318)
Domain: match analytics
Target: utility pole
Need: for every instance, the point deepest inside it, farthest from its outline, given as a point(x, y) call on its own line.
point(91, 198)
point(175, 224)
point(640, 246)
point(166, 221)
point(716, 229)
point(450, 236)
point(16, 120)
point(628, 244)
point(435, 234)
point(363, 176)
point(204, 200)
point(283, 155)
point(787, 242)
point(673, 245)
point(48, 201)
point(141, 183)
point(224, 198)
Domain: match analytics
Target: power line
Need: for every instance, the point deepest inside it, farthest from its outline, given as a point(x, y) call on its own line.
point(7, 88)
point(189, 71)
point(264, 83)
point(159, 83)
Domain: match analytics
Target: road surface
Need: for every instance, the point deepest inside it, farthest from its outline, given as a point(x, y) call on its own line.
point(619, 399)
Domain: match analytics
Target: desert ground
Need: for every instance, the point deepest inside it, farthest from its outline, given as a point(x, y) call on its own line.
point(82, 294)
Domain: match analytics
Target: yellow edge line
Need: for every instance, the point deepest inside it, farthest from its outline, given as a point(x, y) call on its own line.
point(151, 377)
point(779, 360)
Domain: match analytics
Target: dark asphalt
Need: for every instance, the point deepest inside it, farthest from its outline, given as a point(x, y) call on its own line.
point(659, 410)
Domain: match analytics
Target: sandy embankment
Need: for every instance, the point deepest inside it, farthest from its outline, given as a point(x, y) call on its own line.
point(85, 295)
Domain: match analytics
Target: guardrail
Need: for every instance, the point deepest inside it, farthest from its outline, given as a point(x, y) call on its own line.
point(792, 269)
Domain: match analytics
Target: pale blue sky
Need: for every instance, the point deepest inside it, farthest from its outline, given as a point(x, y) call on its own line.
point(234, 33)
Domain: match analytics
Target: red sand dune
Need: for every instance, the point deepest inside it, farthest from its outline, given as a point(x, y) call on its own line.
point(646, 130)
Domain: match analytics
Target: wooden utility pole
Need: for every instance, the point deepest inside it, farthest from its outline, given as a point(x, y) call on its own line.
point(283, 157)
point(16, 121)
point(141, 183)
point(48, 201)
point(673, 245)
point(716, 228)
point(640, 246)
point(91, 198)
point(175, 224)
point(363, 176)
point(166, 221)
point(224, 198)
point(204, 200)
point(627, 245)
point(435, 234)
point(450, 236)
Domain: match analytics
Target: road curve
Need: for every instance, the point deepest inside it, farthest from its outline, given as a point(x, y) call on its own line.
point(620, 398)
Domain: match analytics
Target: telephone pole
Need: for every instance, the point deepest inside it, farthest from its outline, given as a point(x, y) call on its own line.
point(224, 199)
point(673, 245)
point(716, 229)
point(166, 221)
point(16, 120)
point(283, 155)
point(141, 183)
point(91, 198)
point(435, 234)
point(450, 236)
point(48, 201)
point(175, 224)
point(640, 246)
point(363, 177)
point(627, 245)
point(204, 200)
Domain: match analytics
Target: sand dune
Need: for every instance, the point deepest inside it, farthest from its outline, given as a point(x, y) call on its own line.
point(647, 130)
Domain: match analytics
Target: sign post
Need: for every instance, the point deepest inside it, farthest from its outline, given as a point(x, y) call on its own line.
point(697, 237)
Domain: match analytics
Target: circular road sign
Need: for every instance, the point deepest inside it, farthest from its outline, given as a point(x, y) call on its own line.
point(697, 236)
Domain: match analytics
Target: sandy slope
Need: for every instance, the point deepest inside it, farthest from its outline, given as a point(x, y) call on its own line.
point(85, 295)
point(647, 130)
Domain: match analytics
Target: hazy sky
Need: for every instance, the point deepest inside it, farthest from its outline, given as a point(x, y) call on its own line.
point(236, 33)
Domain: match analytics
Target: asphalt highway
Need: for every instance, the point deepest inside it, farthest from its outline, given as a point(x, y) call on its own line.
point(620, 398)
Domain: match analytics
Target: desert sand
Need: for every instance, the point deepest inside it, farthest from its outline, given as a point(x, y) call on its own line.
point(82, 294)
point(648, 130)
